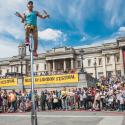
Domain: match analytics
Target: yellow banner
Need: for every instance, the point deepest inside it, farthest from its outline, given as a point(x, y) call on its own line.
point(8, 82)
point(53, 79)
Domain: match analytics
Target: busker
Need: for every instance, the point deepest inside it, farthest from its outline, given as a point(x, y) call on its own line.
point(29, 17)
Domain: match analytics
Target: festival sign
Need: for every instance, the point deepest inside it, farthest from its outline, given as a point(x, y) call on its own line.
point(52, 79)
point(8, 82)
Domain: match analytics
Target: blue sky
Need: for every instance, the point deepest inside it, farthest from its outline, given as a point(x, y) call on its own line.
point(71, 23)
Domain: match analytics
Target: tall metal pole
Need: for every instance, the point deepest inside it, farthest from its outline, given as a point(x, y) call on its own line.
point(23, 88)
point(82, 62)
point(33, 112)
point(82, 53)
point(95, 69)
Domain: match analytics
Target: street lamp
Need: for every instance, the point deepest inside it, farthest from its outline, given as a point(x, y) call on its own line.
point(95, 66)
point(82, 53)
point(21, 64)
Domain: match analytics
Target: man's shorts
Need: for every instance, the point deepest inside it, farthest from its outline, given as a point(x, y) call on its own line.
point(31, 27)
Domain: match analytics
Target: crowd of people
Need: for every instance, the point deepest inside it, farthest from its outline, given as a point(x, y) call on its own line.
point(108, 94)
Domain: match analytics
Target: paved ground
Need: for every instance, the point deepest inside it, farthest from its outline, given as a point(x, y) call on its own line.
point(65, 118)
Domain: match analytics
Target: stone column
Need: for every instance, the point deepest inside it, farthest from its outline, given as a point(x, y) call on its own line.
point(53, 65)
point(64, 65)
point(21, 66)
point(24, 68)
point(11, 68)
point(14, 68)
point(72, 64)
point(104, 65)
point(122, 63)
point(48, 66)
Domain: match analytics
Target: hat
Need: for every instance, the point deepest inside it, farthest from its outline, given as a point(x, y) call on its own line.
point(30, 2)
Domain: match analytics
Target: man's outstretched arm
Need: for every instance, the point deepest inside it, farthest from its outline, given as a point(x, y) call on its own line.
point(41, 16)
point(22, 16)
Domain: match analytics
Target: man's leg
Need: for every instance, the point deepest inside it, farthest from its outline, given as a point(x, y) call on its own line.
point(27, 32)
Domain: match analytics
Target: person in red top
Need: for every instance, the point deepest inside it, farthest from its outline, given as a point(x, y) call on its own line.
point(93, 93)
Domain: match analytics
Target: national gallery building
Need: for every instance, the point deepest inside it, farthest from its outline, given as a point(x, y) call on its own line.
point(107, 59)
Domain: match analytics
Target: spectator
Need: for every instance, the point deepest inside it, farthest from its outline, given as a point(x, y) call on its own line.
point(109, 94)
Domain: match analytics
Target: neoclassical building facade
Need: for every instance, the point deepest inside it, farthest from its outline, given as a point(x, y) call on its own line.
point(107, 59)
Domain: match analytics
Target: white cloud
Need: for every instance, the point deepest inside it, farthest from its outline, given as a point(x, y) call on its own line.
point(73, 12)
point(8, 48)
point(109, 40)
point(9, 22)
point(85, 37)
point(77, 12)
point(122, 29)
point(119, 33)
point(74, 16)
point(113, 14)
point(97, 43)
point(10, 25)
point(112, 38)
point(52, 35)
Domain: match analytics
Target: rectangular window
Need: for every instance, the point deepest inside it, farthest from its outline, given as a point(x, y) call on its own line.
point(29, 68)
point(108, 59)
point(17, 69)
point(100, 61)
point(117, 58)
point(109, 73)
point(68, 65)
point(89, 62)
point(91, 74)
point(8, 71)
point(100, 74)
point(79, 64)
point(118, 72)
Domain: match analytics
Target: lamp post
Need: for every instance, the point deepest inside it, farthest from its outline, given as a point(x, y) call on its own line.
point(81, 54)
point(21, 64)
point(95, 66)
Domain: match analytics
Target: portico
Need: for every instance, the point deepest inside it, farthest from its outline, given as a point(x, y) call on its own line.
point(60, 59)
point(60, 64)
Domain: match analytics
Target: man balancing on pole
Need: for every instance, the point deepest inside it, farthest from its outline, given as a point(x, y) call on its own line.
point(30, 19)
